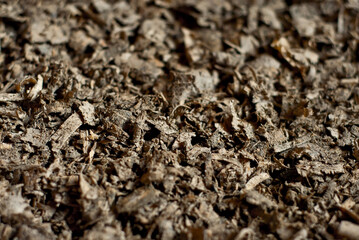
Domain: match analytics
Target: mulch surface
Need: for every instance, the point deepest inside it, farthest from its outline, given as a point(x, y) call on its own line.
point(179, 119)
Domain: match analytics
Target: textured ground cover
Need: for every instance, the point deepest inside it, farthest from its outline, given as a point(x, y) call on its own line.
point(165, 119)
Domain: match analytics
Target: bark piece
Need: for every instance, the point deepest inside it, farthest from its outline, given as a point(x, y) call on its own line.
point(348, 230)
point(65, 131)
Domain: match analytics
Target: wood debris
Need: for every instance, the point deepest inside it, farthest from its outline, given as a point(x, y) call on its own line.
point(196, 119)
point(65, 131)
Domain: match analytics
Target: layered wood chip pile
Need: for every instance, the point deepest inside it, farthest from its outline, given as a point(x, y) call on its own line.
point(179, 119)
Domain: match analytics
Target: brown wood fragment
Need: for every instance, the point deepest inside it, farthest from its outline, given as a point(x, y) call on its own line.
point(348, 230)
point(140, 198)
point(65, 131)
point(11, 97)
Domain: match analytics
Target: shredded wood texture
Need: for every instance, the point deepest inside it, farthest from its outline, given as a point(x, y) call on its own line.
point(179, 119)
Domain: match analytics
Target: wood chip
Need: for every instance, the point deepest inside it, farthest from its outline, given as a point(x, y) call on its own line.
point(65, 131)
point(11, 97)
